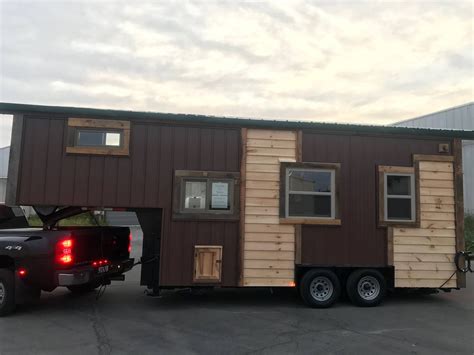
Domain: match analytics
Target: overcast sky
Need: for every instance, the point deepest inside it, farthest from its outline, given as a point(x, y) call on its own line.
point(353, 61)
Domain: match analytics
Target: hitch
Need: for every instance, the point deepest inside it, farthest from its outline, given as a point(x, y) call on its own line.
point(465, 258)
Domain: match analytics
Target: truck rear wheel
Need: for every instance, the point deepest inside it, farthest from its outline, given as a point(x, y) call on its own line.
point(366, 288)
point(320, 288)
point(7, 292)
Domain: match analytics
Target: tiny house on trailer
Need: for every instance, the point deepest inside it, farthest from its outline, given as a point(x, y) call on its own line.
point(227, 202)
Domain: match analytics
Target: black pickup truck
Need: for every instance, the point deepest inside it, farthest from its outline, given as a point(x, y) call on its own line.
point(40, 259)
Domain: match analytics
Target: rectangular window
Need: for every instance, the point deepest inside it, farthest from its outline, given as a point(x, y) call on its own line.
point(310, 193)
point(94, 136)
point(205, 195)
point(397, 196)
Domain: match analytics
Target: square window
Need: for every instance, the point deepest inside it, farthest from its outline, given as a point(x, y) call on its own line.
point(310, 191)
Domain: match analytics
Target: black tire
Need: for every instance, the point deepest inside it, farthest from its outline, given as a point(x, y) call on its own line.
point(366, 287)
point(320, 288)
point(7, 292)
point(82, 289)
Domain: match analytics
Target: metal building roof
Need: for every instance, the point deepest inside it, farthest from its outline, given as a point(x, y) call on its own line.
point(12, 108)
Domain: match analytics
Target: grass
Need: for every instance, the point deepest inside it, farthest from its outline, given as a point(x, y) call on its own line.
point(83, 219)
point(469, 232)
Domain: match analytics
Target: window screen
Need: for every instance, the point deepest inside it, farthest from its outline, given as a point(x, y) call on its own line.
point(399, 197)
point(310, 193)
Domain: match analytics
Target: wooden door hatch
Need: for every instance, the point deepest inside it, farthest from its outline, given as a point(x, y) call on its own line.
point(207, 263)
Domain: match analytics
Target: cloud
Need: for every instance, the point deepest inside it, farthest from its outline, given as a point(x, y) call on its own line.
point(360, 61)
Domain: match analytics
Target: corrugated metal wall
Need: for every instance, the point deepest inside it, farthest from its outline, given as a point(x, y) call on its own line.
point(460, 117)
point(4, 156)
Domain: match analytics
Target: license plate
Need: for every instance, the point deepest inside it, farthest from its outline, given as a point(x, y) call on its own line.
point(103, 269)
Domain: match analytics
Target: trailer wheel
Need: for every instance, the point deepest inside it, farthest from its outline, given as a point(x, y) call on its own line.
point(320, 288)
point(7, 292)
point(366, 288)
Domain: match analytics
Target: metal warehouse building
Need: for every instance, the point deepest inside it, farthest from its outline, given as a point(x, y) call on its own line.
point(4, 154)
point(459, 117)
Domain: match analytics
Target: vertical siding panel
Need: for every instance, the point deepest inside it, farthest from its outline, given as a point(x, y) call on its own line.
point(138, 163)
point(28, 150)
point(40, 129)
point(151, 173)
point(81, 180)
point(96, 177)
point(206, 149)
point(109, 184)
point(53, 168)
point(219, 150)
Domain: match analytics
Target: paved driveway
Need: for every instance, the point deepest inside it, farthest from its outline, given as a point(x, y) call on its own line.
point(242, 321)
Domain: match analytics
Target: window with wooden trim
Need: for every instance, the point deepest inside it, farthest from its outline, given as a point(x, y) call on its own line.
point(397, 196)
point(309, 193)
point(94, 136)
point(205, 195)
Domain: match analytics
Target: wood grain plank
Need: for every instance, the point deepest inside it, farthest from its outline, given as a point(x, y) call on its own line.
point(261, 202)
point(269, 255)
point(269, 246)
point(436, 166)
point(424, 257)
point(271, 135)
point(426, 266)
point(415, 232)
point(423, 241)
point(428, 249)
point(447, 184)
point(428, 191)
point(270, 264)
point(270, 273)
point(268, 228)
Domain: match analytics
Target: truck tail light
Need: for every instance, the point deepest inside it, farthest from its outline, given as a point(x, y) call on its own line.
point(130, 243)
point(64, 251)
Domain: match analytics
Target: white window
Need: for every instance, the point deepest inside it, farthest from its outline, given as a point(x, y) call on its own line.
point(310, 193)
point(399, 199)
point(97, 138)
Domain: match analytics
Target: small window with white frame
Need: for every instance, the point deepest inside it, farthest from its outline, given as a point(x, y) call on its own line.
point(399, 197)
point(310, 192)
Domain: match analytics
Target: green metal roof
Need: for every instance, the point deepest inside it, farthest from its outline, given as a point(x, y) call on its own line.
point(12, 108)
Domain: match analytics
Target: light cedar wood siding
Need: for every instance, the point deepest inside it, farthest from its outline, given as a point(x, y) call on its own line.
point(423, 257)
point(268, 247)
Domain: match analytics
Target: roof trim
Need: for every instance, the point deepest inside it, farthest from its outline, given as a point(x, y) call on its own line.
point(434, 113)
point(13, 108)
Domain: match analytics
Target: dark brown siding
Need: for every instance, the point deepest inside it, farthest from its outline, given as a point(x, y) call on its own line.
point(358, 241)
point(144, 180)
